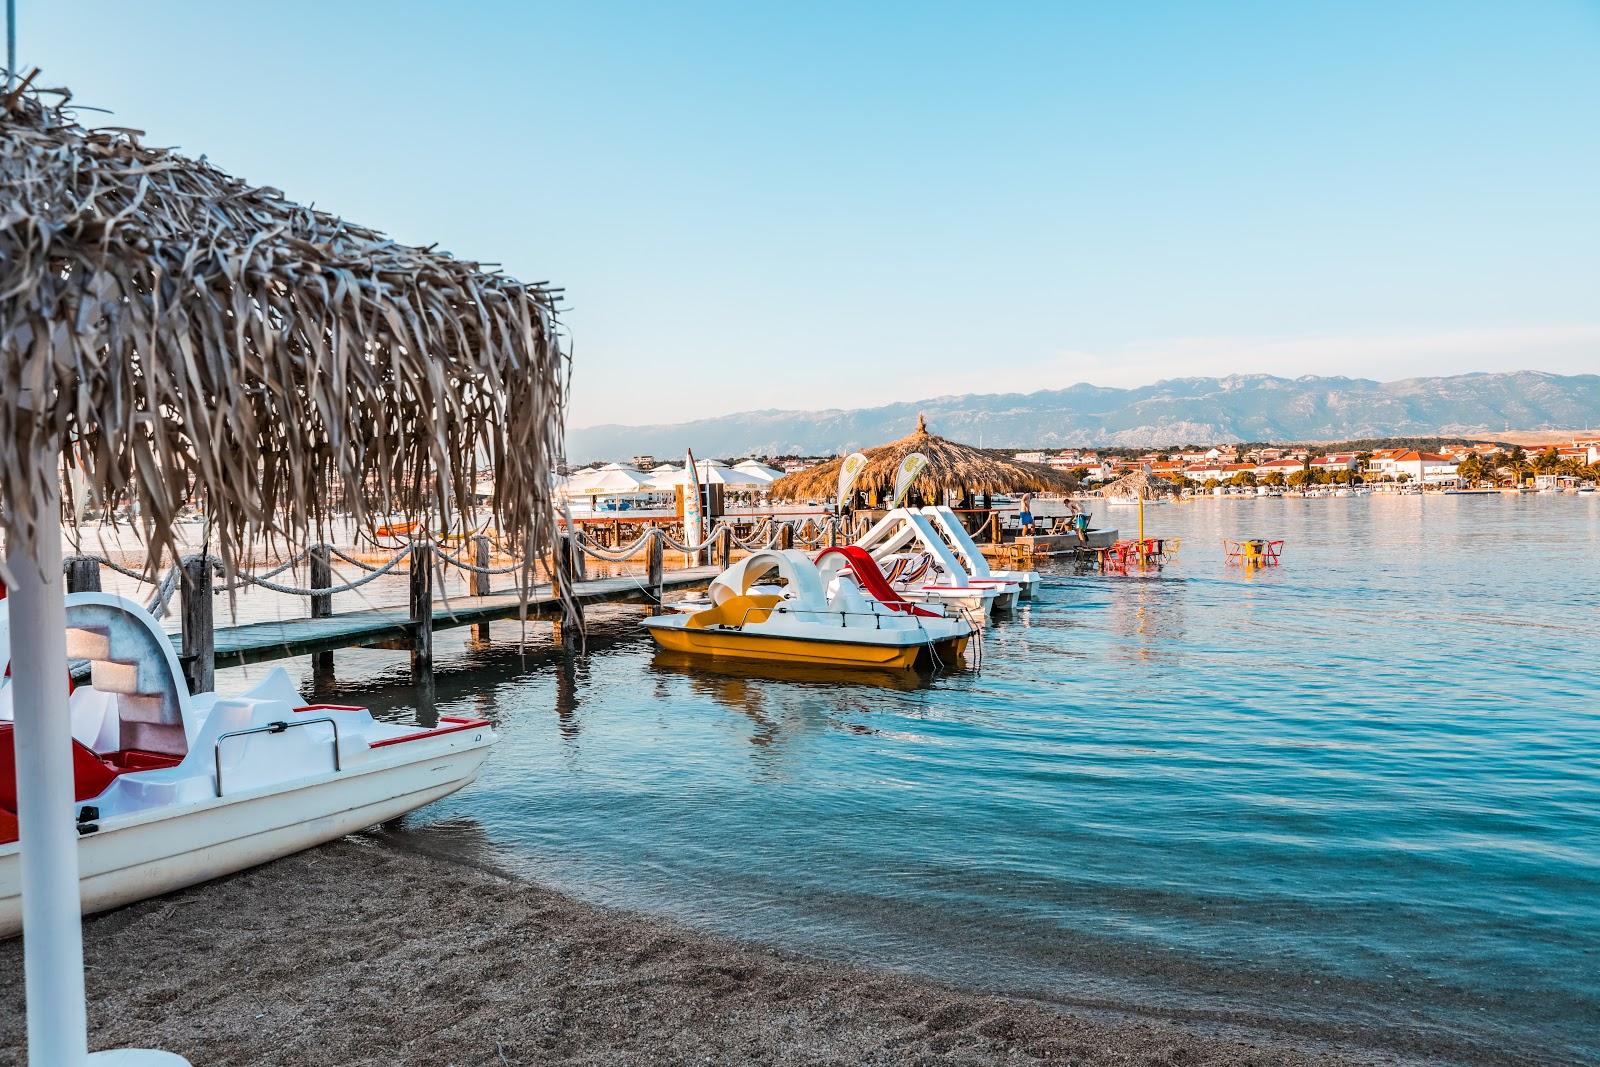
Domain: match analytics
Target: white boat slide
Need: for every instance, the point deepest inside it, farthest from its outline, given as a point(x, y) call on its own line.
point(923, 567)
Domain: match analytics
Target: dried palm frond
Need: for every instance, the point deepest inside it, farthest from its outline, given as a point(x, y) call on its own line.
point(952, 467)
point(175, 334)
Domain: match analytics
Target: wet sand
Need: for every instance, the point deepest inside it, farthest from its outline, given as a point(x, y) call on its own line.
point(361, 952)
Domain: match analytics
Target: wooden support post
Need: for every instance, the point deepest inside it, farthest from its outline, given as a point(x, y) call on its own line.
point(569, 558)
point(421, 609)
point(994, 523)
point(724, 546)
point(321, 578)
point(480, 558)
point(833, 531)
point(657, 549)
point(83, 576)
point(786, 535)
point(321, 608)
point(479, 582)
point(198, 658)
point(580, 573)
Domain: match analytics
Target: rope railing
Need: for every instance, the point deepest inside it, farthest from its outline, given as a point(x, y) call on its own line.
point(136, 575)
point(168, 582)
point(705, 543)
point(753, 543)
point(352, 560)
point(473, 568)
point(765, 534)
point(618, 555)
point(374, 573)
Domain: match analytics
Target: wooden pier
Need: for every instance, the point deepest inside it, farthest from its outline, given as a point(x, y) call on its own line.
point(260, 641)
point(202, 646)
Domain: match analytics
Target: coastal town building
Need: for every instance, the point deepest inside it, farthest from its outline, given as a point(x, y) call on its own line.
point(1336, 461)
point(1284, 466)
point(1430, 468)
point(1586, 449)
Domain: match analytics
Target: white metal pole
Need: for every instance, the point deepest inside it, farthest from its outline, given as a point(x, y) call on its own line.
point(52, 942)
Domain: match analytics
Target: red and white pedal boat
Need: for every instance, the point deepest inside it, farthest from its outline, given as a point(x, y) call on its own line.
point(175, 788)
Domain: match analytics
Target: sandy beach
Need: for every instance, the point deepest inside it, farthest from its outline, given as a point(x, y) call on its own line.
point(361, 952)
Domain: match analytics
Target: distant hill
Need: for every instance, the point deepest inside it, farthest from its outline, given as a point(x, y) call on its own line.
point(1241, 407)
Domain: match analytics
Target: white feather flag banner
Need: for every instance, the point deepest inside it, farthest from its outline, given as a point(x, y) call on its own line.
point(849, 471)
point(907, 473)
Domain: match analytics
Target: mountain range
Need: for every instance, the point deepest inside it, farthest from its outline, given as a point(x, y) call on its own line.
point(1240, 407)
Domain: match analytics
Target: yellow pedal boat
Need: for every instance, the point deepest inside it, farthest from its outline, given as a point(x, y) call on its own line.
point(822, 615)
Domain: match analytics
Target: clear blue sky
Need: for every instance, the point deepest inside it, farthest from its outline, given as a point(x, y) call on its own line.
point(808, 205)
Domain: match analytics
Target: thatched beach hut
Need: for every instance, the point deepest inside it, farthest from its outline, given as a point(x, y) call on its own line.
point(177, 334)
point(952, 467)
point(1139, 484)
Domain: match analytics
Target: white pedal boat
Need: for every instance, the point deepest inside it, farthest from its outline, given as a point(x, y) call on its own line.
point(780, 606)
point(175, 788)
point(971, 556)
point(923, 567)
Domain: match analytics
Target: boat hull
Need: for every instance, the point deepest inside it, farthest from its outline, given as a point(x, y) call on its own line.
point(743, 645)
point(980, 603)
point(149, 853)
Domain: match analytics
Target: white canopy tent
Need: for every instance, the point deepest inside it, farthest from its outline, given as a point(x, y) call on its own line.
point(712, 472)
point(613, 479)
point(757, 469)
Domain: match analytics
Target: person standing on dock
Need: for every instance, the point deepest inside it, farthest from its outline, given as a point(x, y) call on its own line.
point(1025, 516)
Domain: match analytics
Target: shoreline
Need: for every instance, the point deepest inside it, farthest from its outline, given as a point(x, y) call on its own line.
point(365, 952)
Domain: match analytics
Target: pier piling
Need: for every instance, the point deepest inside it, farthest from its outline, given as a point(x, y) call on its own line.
point(321, 557)
point(421, 602)
point(658, 550)
point(480, 580)
point(198, 656)
point(83, 576)
point(569, 561)
point(786, 535)
point(321, 578)
point(480, 558)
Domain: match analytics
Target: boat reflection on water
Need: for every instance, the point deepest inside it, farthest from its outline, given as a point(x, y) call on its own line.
point(778, 720)
point(725, 678)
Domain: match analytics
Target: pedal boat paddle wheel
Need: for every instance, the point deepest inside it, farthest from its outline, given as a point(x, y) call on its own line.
point(174, 788)
point(781, 606)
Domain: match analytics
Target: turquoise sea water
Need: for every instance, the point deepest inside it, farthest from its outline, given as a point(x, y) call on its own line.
point(1357, 796)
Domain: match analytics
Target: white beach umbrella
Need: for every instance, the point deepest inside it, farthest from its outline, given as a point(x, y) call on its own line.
point(714, 473)
point(613, 479)
point(757, 469)
point(662, 476)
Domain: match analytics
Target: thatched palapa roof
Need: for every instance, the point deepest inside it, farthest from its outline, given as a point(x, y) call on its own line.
point(1138, 483)
point(180, 332)
point(952, 467)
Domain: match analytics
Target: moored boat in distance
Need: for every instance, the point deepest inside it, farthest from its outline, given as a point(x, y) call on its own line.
point(173, 788)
